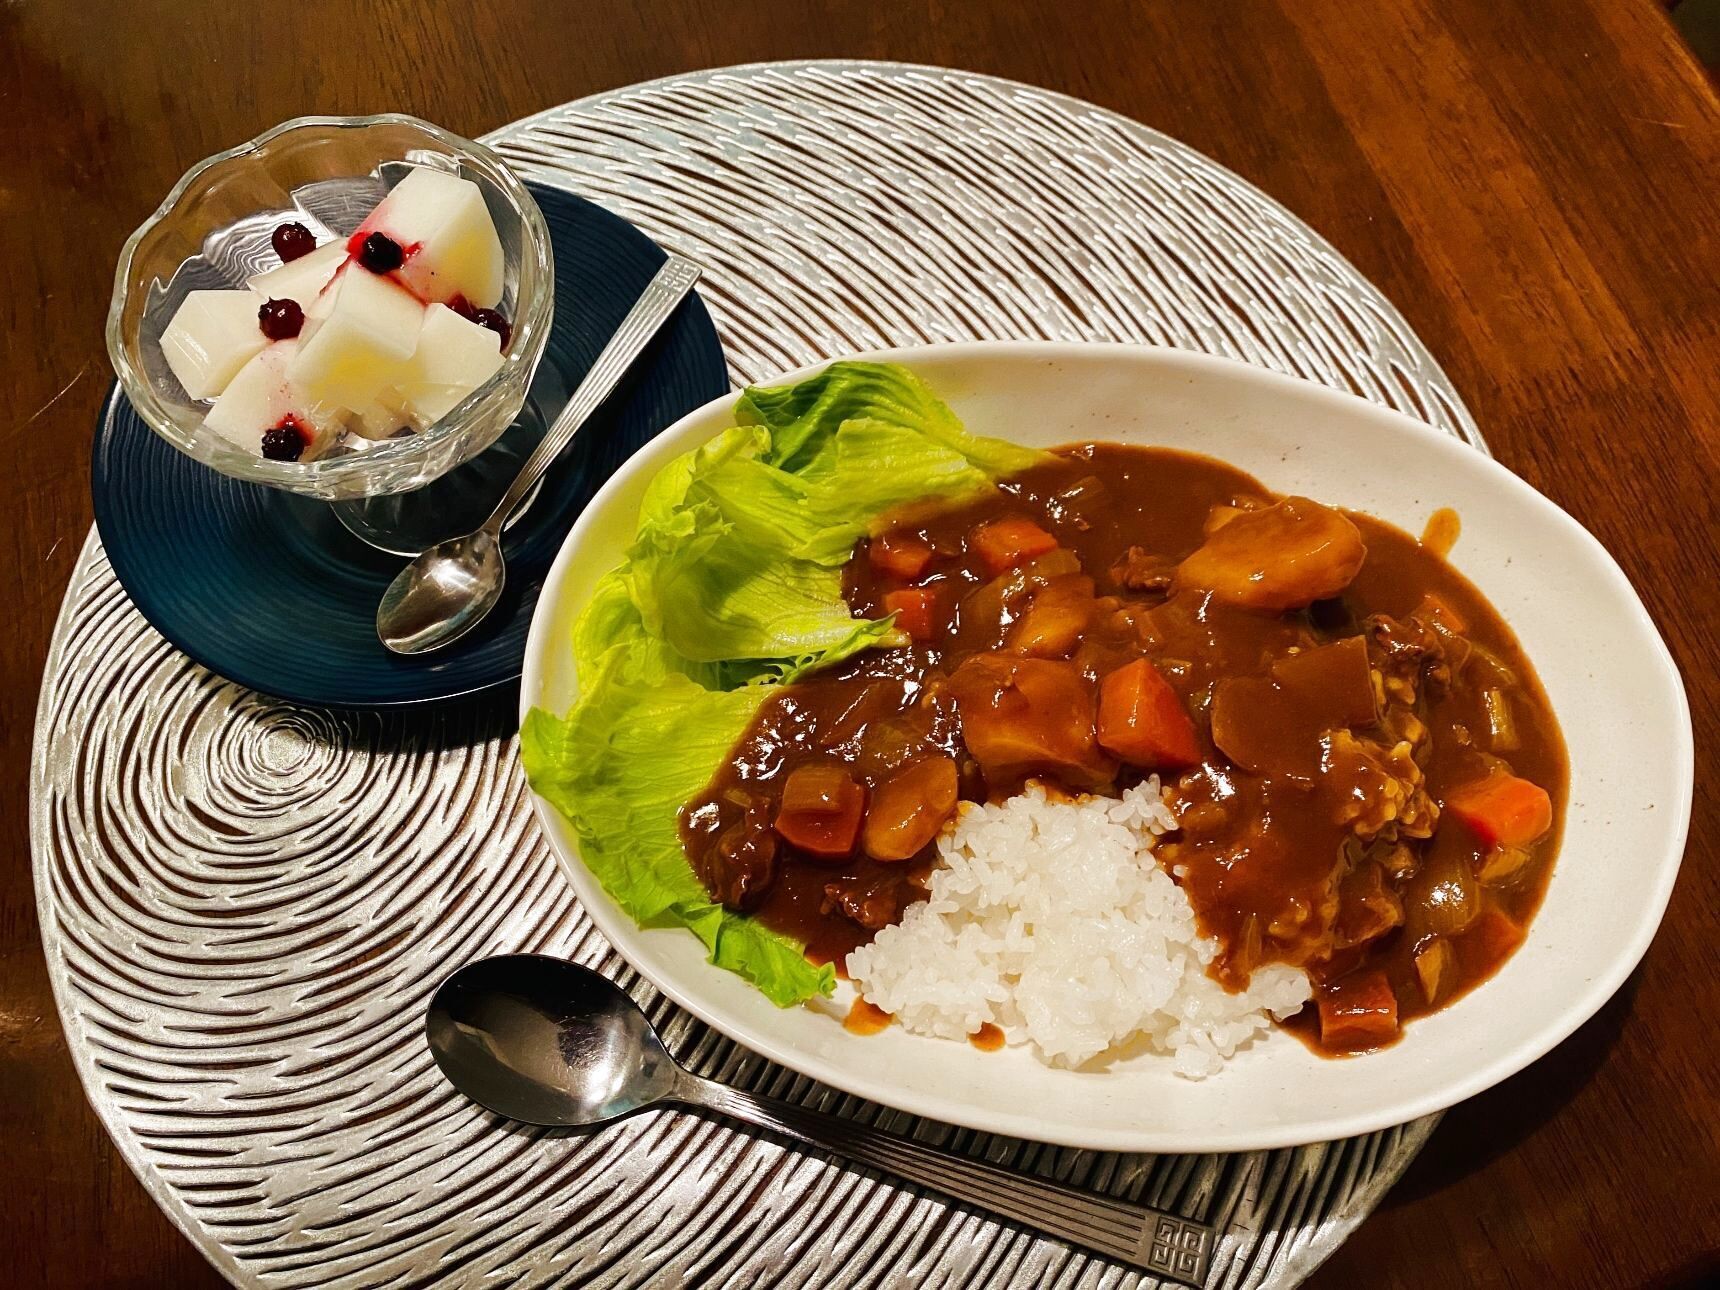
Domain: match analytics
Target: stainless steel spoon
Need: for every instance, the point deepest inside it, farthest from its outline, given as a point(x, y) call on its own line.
point(548, 1042)
point(447, 590)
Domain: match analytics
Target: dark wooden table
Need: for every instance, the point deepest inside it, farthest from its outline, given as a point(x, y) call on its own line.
point(1533, 182)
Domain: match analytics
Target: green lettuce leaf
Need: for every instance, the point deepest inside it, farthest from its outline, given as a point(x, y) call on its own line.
point(803, 415)
point(733, 585)
point(740, 547)
point(619, 767)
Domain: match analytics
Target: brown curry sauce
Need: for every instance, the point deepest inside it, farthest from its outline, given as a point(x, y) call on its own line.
point(1328, 849)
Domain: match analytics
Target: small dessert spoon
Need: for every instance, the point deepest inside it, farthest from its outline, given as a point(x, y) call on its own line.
point(447, 590)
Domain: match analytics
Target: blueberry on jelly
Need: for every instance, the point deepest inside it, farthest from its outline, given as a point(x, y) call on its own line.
point(291, 241)
point(284, 442)
point(280, 319)
point(380, 253)
point(495, 322)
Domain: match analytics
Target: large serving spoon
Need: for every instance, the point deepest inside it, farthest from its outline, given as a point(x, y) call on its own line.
point(447, 590)
point(548, 1042)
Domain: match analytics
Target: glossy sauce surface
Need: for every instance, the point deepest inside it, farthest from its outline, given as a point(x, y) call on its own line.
point(1313, 836)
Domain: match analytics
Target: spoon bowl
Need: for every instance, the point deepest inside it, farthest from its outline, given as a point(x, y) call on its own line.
point(548, 1042)
point(442, 594)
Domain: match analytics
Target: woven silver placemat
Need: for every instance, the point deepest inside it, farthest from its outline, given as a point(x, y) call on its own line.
point(245, 904)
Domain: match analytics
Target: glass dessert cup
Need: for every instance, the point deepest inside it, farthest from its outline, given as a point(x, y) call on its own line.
point(213, 232)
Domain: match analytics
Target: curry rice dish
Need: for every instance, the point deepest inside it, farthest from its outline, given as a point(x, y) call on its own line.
point(1361, 778)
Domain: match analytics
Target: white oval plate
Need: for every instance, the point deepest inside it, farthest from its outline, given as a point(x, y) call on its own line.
point(1612, 683)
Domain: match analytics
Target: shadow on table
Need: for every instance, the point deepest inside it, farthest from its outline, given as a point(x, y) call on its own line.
point(464, 722)
point(1492, 1123)
point(1701, 1271)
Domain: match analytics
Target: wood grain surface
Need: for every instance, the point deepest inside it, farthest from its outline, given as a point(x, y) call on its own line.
point(1533, 182)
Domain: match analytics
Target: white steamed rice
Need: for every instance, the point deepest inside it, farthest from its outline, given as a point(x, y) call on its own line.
point(1053, 921)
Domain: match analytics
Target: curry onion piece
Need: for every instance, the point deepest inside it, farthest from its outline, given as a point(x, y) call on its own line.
point(1433, 962)
point(1498, 671)
point(1501, 724)
point(1501, 864)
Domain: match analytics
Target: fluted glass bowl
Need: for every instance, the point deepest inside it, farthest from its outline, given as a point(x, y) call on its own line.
point(213, 232)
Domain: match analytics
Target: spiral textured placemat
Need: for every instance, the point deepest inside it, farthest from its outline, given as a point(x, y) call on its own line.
point(245, 904)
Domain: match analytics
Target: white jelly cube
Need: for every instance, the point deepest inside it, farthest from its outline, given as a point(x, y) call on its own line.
point(303, 279)
point(454, 357)
point(445, 230)
point(213, 334)
point(323, 304)
point(362, 345)
point(385, 418)
point(262, 395)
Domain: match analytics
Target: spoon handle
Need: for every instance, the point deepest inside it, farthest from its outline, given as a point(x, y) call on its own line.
point(1162, 1243)
point(673, 281)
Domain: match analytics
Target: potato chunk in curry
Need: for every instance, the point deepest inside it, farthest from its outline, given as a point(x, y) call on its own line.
point(1026, 716)
point(1283, 556)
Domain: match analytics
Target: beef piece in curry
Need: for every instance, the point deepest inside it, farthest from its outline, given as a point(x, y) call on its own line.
point(1367, 775)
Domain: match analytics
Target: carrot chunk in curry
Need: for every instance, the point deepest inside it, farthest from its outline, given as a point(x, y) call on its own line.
point(915, 609)
point(1503, 810)
point(821, 810)
point(900, 554)
point(1494, 938)
point(1142, 719)
point(1004, 543)
point(1361, 1011)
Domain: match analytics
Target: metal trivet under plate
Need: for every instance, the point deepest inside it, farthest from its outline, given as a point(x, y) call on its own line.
point(245, 905)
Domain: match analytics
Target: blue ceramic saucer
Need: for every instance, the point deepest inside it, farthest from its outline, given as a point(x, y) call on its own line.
point(269, 589)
